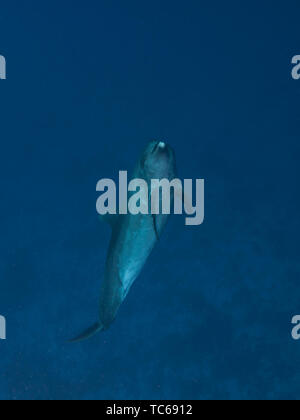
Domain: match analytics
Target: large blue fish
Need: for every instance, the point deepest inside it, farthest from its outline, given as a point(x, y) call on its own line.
point(133, 238)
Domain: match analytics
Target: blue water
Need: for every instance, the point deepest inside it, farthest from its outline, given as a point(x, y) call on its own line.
point(89, 84)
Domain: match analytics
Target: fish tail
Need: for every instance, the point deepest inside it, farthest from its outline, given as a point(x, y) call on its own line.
point(90, 332)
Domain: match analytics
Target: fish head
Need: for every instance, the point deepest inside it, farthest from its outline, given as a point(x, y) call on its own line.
point(158, 161)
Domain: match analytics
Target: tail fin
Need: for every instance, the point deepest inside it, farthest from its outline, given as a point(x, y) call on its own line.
point(88, 333)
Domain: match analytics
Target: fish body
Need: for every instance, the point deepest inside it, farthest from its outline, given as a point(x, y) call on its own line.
point(133, 238)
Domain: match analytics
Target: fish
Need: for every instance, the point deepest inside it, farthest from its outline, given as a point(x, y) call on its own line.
point(133, 239)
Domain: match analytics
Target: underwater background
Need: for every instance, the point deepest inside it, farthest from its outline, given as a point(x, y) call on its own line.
point(88, 85)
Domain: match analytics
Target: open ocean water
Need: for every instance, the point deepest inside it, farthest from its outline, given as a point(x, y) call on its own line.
point(88, 85)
